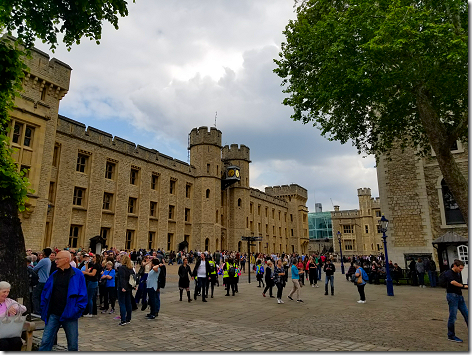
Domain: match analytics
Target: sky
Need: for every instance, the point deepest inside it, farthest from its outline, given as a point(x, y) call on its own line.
point(175, 65)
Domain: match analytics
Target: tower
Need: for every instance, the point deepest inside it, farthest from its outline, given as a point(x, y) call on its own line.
point(205, 156)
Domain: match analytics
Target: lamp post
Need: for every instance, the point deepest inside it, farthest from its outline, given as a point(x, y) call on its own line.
point(341, 252)
point(383, 226)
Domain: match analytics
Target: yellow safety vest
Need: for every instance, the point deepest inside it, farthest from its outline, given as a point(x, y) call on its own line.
point(225, 272)
point(211, 262)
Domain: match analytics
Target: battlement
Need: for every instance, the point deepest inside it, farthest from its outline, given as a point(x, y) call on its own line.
point(365, 191)
point(260, 195)
point(201, 135)
point(287, 190)
point(235, 152)
point(375, 202)
point(92, 135)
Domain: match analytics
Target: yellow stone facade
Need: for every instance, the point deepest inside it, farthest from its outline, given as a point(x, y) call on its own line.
point(89, 183)
point(360, 234)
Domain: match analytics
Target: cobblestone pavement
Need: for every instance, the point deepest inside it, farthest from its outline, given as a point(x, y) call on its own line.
point(415, 319)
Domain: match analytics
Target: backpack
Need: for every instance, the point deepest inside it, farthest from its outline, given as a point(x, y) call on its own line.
point(442, 281)
point(232, 271)
point(33, 277)
point(161, 281)
point(365, 277)
point(212, 268)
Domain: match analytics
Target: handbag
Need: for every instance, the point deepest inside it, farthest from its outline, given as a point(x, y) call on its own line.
point(12, 326)
point(132, 281)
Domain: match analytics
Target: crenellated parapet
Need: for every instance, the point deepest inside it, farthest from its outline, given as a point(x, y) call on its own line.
point(287, 190)
point(202, 135)
point(268, 198)
point(92, 135)
point(364, 191)
point(235, 152)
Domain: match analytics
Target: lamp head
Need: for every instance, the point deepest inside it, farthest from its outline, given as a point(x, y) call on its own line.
point(339, 236)
point(383, 223)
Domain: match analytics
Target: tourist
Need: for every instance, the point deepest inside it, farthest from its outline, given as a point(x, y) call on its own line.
point(301, 271)
point(329, 270)
point(42, 268)
point(361, 278)
point(296, 285)
point(279, 280)
point(184, 281)
point(141, 293)
point(269, 279)
point(125, 289)
point(229, 271)
point(421, 272)
point(213, 275)
point(313, 272)
point(432, 273)
point(202, 272)
point(110, 288)
point(260, 273)
point(9, 307)
point(63, 300)
point(153, 288)
point(92, 275)
point(455, 299)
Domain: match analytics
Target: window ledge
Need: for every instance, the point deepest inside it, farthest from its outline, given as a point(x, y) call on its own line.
point(452, 226)
point(153, 218)
point(132, 215)
point(172, 221)
point(108, 212)
point(80, 208)
point(188, 223)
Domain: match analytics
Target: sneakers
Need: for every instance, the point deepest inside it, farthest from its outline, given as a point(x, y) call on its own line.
point(104, 311)
point(360, 301)
point(88, 315)
point(111, 311)
point(150, 317)
point(290, 298)
point(272, 296)
point(279, 301)
point(300, 301)
point(454, 338)
point(317, 285)
point(263, 294)
point(122, 323)
point(312, 285)
point(118, 317)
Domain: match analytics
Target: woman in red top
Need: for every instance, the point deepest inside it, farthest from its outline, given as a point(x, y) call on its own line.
point(301, 272)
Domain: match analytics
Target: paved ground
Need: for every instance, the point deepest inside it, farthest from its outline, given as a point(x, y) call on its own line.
point(415, 319)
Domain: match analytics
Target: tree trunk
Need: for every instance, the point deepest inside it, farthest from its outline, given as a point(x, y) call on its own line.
point(13, 252)
point(441, 143)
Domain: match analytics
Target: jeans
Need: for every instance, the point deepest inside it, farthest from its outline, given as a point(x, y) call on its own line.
point(329, 279)
point(124, 300)
point(110, 297)
point(360, 289)
point(280, 288)
point(319, 272)
point(432, 278)
point(37, 290)
point(91, 294)
point(71, 328)
point(455, 302)
point(421, 278)
point(201, 287)
point(154, 300)
point(141, 293)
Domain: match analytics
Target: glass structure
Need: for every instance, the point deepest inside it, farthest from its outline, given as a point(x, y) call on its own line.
point(320, 225)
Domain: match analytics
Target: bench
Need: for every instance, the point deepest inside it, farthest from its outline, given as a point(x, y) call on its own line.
point(27, 335)
point(404, 277)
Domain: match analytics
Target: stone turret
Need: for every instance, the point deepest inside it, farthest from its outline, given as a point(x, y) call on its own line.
point(201, 135)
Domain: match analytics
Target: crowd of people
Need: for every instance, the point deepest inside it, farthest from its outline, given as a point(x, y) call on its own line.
point(69, 284)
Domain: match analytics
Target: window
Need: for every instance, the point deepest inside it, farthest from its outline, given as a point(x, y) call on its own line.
point(132, 205)
point(273, 213)
point(188, 190)
point(250, 207)
point(171, 211)
point(105, 233)
point(347, 244)
point(347, 229)
point(79, 196)
point(52, 188)
point(207, 243)
point(129, 239)
point(81, 163)
point(267, 212)
point(187, 215)
point(74, 235)
point(291, 232)
point(259, 210)
point(279, 215)
point(133, 176)
point(208, 193)
point(55, 156)
point(366, 229)
point(43, 93)
point(153, 209)
point(151, 238)
point(17, 131)
point(154, 178)
point(379, 230)
point(378, 247)
point(107, 201)
point(28, 136)
point(208, 168)
point(452, 212)
point(109, 170)
point(291, 217)
point(239, 202)
point(25, 169)
point(172, 187)
point(170, 241)
point(377, 214)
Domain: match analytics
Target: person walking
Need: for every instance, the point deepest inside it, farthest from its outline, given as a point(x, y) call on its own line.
point(313, 272)
point(433, 278)
point(125, 289)
point(295, 271)
point(454, 297)
point(212, 275)
point(201, 272)
point(361, 278)
point(279, 279)
point(63, 300)
point(260, 273)
point(421, 271)
point(329, 270)
point(229, 276)
point(184, 281)
point(269, 279)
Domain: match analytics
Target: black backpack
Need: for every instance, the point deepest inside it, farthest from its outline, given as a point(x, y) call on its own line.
point(212, 268)
point(33, 277)
point(161, 281)
point(442, 281)
point(232, 271)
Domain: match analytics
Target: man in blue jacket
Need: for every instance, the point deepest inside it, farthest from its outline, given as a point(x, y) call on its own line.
point(63, 301)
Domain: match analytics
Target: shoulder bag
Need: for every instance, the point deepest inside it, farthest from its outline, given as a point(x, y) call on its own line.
point(12, 326)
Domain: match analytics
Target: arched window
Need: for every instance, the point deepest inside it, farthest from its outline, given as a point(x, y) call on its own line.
point(208, 193)
point(451, 208)
point(239, 202)
point(207, 243)
point(239, 246)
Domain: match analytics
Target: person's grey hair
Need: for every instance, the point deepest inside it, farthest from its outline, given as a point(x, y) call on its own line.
point(34, 257)
point(29, 258)
point(4, 285)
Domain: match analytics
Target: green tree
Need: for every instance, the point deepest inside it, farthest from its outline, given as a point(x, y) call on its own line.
point(29, 20)
point(382, 72)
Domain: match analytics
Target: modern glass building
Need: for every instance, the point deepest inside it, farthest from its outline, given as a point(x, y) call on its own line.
point(319, 225)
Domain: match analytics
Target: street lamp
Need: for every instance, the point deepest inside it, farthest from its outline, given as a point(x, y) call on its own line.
point(341, 252)
point(383, 227)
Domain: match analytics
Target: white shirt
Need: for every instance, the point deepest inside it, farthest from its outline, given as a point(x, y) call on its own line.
point(201, 272)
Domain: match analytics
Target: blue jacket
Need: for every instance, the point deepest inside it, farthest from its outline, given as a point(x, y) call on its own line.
point(76, 296)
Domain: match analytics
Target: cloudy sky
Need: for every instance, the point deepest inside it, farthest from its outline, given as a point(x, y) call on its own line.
point(173, 64)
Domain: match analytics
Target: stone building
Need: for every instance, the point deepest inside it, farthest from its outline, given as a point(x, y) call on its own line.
point(424, 219)
point(88, 183)
point(359, 229)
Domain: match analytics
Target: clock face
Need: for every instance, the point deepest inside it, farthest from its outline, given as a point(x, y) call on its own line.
point(231, 173)
point(237, 173)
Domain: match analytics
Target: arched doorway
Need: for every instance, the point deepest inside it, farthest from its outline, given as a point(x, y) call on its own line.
point(207, 243)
